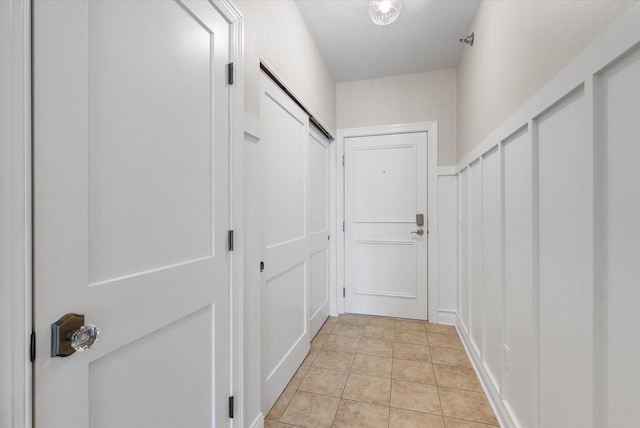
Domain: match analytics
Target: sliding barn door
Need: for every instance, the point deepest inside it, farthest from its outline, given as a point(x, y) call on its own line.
point(318, 229)
point(285, 278)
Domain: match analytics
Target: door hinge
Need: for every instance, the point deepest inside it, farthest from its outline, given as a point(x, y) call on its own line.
point(344, 292)
point(342, 160)
point(328, 237)
point(231, 240)
point(343, 226)
point(32, 349)
point(230, 73)
point(231, 407)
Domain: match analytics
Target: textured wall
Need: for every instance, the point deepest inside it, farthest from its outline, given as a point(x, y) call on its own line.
point(519, 46)
point(275, 31)
point(410, 98)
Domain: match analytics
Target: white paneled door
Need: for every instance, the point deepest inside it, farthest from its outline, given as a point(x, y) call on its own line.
point(385, 248)
point(285, 215)
point(131, 212)
point(318, 230)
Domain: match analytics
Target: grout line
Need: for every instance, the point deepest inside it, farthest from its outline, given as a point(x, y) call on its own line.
point(350, 371)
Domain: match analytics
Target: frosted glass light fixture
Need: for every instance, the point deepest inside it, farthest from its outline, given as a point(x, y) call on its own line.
point(384, 12)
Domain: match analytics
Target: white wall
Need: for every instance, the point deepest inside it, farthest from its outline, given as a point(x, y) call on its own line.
point(252, 370)
point(519, 46)
point(549, 256)
point(447, 249)
point(411, 98)
point(276, 33)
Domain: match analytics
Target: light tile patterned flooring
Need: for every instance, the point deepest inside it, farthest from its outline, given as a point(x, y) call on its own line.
point(371, 372)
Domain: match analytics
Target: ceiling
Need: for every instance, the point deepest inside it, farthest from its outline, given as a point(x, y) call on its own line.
point(423, 38)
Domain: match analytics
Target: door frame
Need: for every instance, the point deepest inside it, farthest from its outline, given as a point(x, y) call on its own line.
point(431, 128)
point(16, 385)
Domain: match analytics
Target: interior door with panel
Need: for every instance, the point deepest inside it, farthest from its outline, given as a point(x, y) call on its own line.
point(385, 243)
point(318, 230)
point(285, 276)
point(131, 213)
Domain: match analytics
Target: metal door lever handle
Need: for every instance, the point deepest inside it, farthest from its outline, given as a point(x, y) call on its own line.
point(419, 232)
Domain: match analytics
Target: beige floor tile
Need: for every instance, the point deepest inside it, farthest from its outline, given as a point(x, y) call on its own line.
point(354, 318)
point(457, 377)
point(348, 329)
point(296, 380)
point(334, 360)
point(409, 351)
point(331, 320)
point(382, 322)
point(371, 365)
point(355, 414)
point(310, 410)
point(400, 418)
point(342, 343)
point(313, 353)
point(442, 329)
point(319, 340)
point(368, 389)
point(459, 423)
point(410, 336)
point(450, 356)
point(468, 405)
point(281, 404)
point(378, 333)
point(324, 381)
point(413, 371)
point(379, 348)
point(445, 341)
point(415, 396)
point(274, 424)
point(410, 325)
point(327, 328)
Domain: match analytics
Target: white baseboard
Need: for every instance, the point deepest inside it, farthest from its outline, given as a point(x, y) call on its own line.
point(333, 310)
point(447, 317)
point(499, 408)
point(258, 422)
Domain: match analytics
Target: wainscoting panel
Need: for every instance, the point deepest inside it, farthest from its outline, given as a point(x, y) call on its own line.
point(549, 246)
point(618, 90)
point(447, 245)
point(518, 265)
point(566, 262)
point(475, 255)
point(463, 216)
point(491, 253)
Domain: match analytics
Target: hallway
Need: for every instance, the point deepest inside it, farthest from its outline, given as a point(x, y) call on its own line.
point(365, 371)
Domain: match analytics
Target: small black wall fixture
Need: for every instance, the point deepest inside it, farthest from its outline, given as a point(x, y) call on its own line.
point(469, 39)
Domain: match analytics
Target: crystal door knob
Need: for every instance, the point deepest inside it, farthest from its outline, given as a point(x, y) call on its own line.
point(70, 334)
point(84, 337)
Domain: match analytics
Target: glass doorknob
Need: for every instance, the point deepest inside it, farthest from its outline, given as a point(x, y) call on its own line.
point(70, 334)
point(84, 337)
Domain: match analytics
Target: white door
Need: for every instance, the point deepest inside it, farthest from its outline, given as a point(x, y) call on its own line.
point(131, 203)
point(318, 230)
point(385, 256)
point(285, 278)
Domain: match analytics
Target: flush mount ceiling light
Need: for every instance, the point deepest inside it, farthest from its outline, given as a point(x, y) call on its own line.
point(384, 12)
